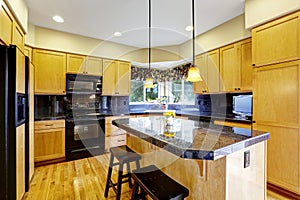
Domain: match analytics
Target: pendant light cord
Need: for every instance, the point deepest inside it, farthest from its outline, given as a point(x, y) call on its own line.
point(149, 47)
point(193, 25)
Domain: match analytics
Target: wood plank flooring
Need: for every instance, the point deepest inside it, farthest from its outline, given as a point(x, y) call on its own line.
point(81, 180)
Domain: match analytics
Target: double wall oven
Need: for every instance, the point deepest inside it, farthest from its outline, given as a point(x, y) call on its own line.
point(85, 126)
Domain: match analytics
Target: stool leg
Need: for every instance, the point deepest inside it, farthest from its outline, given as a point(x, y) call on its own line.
point(129, 177)
point(119, 185)
point(135, 191)
point(109, 175)
point(137, 164)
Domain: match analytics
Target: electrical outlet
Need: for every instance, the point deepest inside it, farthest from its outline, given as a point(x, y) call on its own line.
point(246, 159)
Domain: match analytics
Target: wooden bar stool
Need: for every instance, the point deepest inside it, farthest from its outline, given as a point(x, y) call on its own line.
point(152, 181)
point(124, 155)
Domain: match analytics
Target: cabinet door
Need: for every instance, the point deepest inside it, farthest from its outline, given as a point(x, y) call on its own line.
point(49, 144)
point(277, 41)
point(213, 75)
point(276, 94)
point(18, 37)
point(230, 69)
point(20, 162)
point(94, 66)
point(245, 49)
point(283, 156)
point(123, 78)
point(200, 86)
point(75, 63)
point(109, 77)
point(50, 72)
point(6, 24)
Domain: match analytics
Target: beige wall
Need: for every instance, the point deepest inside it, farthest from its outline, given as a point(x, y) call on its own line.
point(229, 32)
point(226, 33)
point(20, 11)
point(261, 11)
point(62, 41)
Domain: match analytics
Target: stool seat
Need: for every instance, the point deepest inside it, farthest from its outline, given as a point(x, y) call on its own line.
point(124, 155)
point(156, 184)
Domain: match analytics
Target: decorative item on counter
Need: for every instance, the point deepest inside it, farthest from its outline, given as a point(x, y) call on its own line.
point(169, 130)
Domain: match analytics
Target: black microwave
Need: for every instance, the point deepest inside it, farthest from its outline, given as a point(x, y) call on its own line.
point(83, 83)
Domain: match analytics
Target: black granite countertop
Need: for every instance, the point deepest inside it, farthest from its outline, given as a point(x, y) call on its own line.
point(192, 139)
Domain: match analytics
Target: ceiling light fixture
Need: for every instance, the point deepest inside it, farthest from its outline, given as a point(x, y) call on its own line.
point(149, 80)
point(58, 19)
point(193, 73)
point(117, 34)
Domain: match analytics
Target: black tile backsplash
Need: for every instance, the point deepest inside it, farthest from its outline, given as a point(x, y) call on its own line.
point(49, 106)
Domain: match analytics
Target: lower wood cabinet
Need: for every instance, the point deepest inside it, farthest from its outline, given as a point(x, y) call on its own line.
point(20, 161)
point(49, 138)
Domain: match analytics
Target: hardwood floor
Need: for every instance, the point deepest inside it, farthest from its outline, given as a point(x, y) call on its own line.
point(81, 179)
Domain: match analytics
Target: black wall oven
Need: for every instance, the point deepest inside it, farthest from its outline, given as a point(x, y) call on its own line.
point(84, 137)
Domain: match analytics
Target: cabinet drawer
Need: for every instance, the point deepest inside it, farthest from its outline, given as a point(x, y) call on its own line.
point(233, 124)
point(49, 124)
point(114, 141)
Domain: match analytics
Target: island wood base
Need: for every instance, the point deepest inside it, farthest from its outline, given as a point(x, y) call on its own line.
point(224, 178)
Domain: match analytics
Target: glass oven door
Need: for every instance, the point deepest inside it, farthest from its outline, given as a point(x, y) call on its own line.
point(86, 131)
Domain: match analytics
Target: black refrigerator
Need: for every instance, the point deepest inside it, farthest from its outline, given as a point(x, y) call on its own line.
point(14, 126)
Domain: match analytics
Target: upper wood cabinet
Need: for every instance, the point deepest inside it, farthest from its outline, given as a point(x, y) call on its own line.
point(18, 38)
point(20, 71)
point(6, 24)
point(28, 52)
point(247, 72)
point(277, 41)
point(213, 71)
point(208, 64)
point(82, 64)
point(94, 66)
point(50, 72)
point(75, 63)
point(116, 77)
point(230, 68)
point(235, 66)
point(200, 86)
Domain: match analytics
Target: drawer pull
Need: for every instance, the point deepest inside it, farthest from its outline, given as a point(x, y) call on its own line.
point(48, 124)
point(121, 140)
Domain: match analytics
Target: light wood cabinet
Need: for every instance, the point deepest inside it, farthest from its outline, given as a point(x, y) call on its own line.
point(230, 68)
point(233, 124)
point(49, 137)
point(116, 77)
point(276, 110)
point(94, 66)
point(50, 72)
point(18, 37)
point(200, 86)
point(20, 161)
point(246, 64)
point(208, 65)
point(235, 66)
point(213, 71)
point(277, 41)
point(28, 52)
point(75, 63)
point(83, 64)
point(6, 24)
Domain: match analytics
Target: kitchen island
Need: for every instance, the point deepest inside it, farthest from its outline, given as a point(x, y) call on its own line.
point(212, 161)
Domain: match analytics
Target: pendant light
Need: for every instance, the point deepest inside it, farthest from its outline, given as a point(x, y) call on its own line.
point(193, 73)
point(149, 80)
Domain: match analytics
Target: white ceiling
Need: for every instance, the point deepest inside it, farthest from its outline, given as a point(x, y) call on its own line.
point(101, 18)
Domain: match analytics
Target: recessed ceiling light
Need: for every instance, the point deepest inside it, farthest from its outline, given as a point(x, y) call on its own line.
point(117, 34)
point(189, 28)
point(58, 19)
